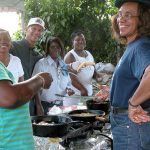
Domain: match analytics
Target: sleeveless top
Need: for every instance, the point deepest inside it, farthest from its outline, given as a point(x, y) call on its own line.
point(86, 74)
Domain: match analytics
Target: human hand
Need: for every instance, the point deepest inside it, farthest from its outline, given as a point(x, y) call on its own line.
point(69, 91)
point(138, 115)
point(99, 77)
point(84, 92)
point(74, 65)
point(47, 79)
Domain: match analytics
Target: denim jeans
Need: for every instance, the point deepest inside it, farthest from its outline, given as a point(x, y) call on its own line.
point(128, 135)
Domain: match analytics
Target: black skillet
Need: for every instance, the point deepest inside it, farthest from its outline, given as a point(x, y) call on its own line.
point(86, 115)
point(59, 125)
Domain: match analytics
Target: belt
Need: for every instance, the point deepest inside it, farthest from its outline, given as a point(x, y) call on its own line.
point(118, 110)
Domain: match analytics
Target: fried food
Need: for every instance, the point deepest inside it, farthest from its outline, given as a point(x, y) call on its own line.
point(85, 64)
point(84, 115)
point(43, 123)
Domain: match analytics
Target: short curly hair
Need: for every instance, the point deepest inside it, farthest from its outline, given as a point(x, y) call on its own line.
point(143, 29)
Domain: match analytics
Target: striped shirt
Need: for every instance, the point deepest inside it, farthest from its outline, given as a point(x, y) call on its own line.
point(15, 124)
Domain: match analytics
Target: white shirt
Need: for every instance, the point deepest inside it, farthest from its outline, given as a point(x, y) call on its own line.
point(86, 74)
point(15, 67)
point(60, 81)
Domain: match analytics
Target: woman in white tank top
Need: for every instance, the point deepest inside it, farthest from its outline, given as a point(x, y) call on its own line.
point(82, 81)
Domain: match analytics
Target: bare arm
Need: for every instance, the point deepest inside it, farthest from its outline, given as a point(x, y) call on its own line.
point(142, 93)
point(136, 113)
point(39, 107)
point(78, 85)
point(13, 96)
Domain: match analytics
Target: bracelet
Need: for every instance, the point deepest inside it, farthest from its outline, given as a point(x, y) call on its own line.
point(42, 79)
point(135, 106)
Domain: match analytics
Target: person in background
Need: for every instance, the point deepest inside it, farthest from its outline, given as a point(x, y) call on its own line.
point(54, 64)
point(12, 63)
point(130, 85)
point(81, 78)
point(15, 122)
point(24, 49)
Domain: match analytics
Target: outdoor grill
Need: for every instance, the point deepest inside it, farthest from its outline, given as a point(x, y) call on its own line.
point(81, 136)
point(83, 133)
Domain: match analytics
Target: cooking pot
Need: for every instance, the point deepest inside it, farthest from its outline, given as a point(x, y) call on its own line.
point(57, 126)
point(86, 115)
point(94, 105)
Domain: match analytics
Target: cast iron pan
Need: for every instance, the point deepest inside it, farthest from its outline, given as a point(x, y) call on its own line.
point(104, 106)
point(86, 115)
point(58, 126)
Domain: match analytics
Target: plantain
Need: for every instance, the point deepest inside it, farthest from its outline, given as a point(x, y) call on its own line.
point(85, 64)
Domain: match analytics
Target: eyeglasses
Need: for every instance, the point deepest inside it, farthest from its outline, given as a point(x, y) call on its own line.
point(55, 47)
point(126, 16)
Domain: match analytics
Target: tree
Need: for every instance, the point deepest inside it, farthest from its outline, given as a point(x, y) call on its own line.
point(62, 17)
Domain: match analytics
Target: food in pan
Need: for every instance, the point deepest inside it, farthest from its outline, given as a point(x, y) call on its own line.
point(43, 123)
point(84, 115)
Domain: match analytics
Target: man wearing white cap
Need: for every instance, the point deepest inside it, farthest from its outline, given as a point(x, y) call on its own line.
point(24, 49)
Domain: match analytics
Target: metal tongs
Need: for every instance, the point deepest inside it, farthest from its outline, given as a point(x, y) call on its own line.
point(78, 96)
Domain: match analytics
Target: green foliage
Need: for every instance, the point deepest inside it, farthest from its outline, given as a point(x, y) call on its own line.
point(62, 17)
point(40, 46)
point(17, 35)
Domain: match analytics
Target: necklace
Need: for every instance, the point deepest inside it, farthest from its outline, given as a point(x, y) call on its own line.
point(81, 53)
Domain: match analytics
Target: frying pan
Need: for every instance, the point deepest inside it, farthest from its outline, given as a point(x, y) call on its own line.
point(58, 125)
point(86, 115)
point(94, 105)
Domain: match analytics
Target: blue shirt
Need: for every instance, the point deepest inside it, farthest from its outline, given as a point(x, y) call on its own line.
point(129, 71)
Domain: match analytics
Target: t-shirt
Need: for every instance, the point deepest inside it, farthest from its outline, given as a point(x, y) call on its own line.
point(129, 71)
point(15, 124)
point(15, 67)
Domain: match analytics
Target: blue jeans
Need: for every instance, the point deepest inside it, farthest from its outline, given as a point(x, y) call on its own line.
point(128, 135)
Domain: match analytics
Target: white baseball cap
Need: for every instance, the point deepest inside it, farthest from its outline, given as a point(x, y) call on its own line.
point(36, 20)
